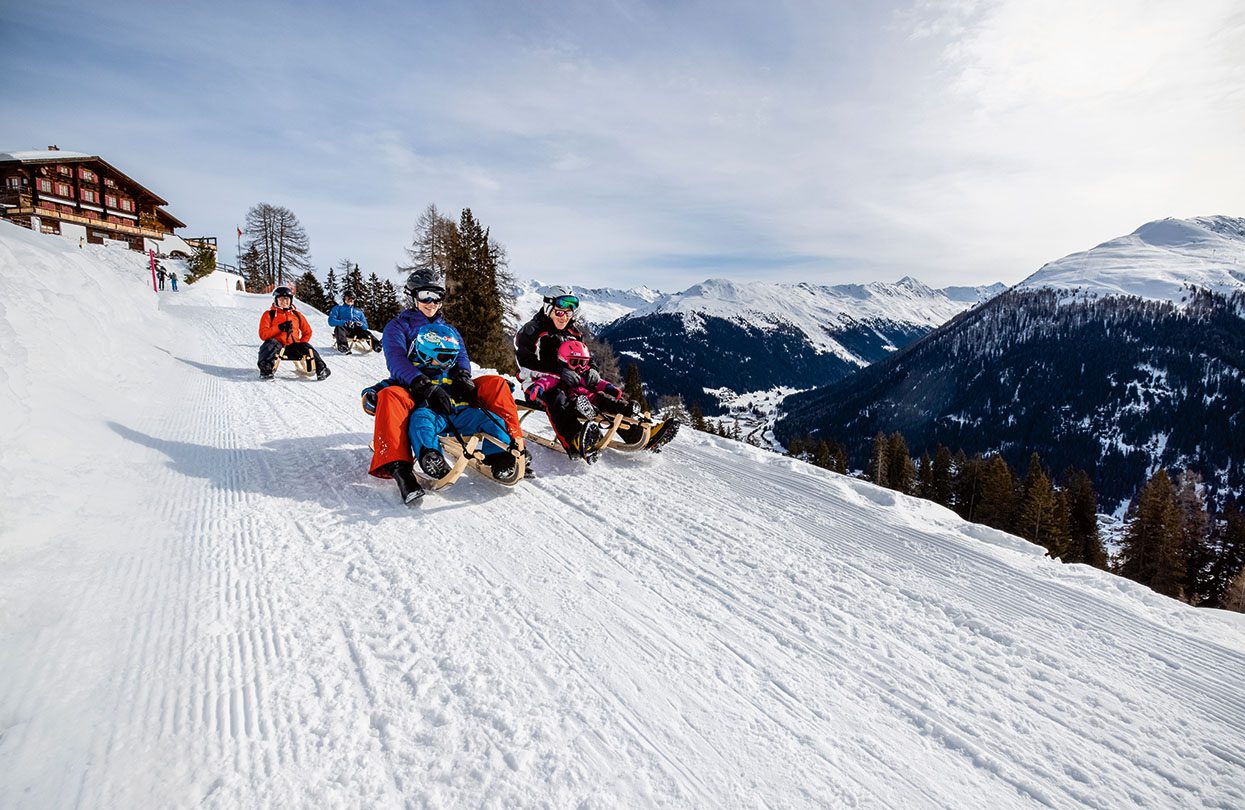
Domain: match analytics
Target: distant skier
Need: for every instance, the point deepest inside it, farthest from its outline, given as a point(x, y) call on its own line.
point(173, 281)
point(430, 393)
point(161, 274)
point(286, 333)
point(349, 322)
point(557, 371)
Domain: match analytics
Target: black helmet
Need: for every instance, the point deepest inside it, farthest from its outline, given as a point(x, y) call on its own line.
point(420, 280)
point(283, 292)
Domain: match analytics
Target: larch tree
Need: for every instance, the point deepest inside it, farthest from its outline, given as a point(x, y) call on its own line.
point(1150, 551)
point(1084, 541)
point(279, 241)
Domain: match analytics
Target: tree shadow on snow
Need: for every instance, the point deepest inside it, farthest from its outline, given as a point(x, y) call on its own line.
point(329, 470)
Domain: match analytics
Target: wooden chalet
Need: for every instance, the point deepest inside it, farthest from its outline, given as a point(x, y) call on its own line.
point(85, 198)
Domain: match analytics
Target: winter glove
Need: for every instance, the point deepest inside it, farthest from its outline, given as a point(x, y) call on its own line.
point(570, 379)
point(287, 327)
point(439, 401)
point(463, 387)
point(592, 378)
point(421, 388)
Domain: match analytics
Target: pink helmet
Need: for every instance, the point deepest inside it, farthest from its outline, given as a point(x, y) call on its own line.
point(575, 354)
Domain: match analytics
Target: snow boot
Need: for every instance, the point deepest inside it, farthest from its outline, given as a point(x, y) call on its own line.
point(323, 373)
point(584, 444)
point(403, 473)
point(343, 348)
point(504, 466)
point(267, 374)
point(527, 464)
point(433, 464)
point(662, 436)
point(584, 407)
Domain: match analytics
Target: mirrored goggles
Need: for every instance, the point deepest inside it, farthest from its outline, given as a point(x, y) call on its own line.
point(570, 303)
point(578, 363)
point(429, 296)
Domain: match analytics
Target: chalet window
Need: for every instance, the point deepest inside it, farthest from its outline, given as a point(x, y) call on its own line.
point(108, 181)
point(64, 190)
point(88, 176)
point(89, 196)
point(110, 200)
point(13, 182)
point(127, 205)
point(44, 185)
point(65, 170)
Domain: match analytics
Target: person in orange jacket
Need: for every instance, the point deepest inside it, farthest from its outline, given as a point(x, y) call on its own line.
point(286, 333)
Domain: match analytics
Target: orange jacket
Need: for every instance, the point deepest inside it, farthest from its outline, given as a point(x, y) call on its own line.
point(270, 326)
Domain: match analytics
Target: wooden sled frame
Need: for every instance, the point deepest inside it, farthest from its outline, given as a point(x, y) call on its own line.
point(472, 456)
point(609, 427)
point(306, 366)
point(358, 344)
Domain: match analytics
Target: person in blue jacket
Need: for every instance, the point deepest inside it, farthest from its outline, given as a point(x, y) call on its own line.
point(430, 393)
point(349, 322)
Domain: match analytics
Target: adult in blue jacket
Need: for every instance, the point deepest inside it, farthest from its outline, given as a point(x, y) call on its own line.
point(431, 392)
point(349, 323)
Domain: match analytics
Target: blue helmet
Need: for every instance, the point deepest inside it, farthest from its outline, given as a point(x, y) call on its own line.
point(436, 344)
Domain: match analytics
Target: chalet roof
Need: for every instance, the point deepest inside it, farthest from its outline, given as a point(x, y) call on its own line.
point(62, 156)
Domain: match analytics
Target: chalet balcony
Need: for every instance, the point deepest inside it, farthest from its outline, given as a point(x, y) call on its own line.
point(12, 198)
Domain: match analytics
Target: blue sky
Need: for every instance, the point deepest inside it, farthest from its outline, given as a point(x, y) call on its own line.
point(624, 143)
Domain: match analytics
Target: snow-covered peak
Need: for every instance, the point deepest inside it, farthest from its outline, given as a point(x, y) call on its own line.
point(1158, 261)
point(600, 305)
point(816, 310)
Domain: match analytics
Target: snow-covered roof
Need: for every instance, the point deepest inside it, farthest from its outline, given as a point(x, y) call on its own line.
point(43, 154)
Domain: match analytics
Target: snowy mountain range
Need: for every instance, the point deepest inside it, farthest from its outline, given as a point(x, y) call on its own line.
point(745, 337)
point(1117, 360)
point(206, 601)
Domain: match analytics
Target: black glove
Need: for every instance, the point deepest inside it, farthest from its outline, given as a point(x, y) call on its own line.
point(439, 401)
point(287, 327)
point(592, 378)
point(570, 379)
point(463, 387)
point(420, 389)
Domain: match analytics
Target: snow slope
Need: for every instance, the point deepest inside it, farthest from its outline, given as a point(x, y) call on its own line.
point(1158, 261)
point(205, 601)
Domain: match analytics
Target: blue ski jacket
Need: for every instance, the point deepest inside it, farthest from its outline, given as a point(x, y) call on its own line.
point(398, 344)
point(341, 315)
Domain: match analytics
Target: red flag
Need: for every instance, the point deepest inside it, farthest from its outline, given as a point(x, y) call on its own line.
point(239, 232)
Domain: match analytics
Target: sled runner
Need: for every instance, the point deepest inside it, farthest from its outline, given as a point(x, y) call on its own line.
point(650, 434)
point(471, 456)
point(360, 344)
point(305, 365)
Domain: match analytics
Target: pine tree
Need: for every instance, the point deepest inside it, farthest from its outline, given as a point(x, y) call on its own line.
point(331, 290)
point(250, 267)
point(941, 484)
point(634, 388)
point(698, 417)
point(998, 494)
point(1194, 537)
point(1084, 541)
point(388, 307)
point(822, 455)
point(1233, 596)
point(474, 302)
point(310, 292)
point(925, 477)
point(900, 470)
point(838, 458)
point(1229, 554)
point(879, 461)
point(352, 281)
point(967, 484)
point(1150, 551)
point(201, 263)
point(1038, 515)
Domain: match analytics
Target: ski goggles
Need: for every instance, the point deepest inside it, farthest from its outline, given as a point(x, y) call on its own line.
point(578, 363)
point(429, 296)
point(570, 303)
